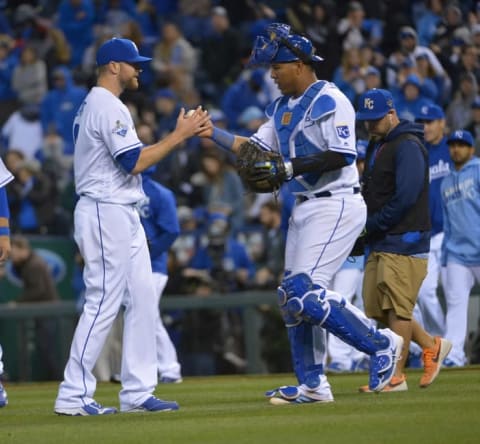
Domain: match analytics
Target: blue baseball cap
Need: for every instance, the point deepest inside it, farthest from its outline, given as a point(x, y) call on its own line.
point(374, 104)
point(430, 112)
point(301, 44)
point(372, 71)
point(412, 79)
point(165, 93)
point(461, 136)
point(119, 50)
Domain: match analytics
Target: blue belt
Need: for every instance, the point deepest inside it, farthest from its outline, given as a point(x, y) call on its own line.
point(302, 198)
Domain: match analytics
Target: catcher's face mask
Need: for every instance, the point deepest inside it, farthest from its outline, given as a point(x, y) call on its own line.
point(282, 47)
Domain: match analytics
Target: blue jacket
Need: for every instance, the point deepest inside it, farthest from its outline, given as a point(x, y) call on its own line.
point(159, 219)
point(409, 178)
point(461, 211)
point(59, 107)
point(76, 22)
point(440, 166)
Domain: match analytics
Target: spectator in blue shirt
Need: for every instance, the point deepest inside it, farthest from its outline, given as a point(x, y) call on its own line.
point(76, 19)
point(60, 105)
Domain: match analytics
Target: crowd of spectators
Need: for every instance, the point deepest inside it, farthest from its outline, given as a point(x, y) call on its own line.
point(422, 51)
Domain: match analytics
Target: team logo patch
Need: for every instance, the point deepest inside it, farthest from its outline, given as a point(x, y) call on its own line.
point(120, 129)
point(343, 131)
point(286, 118)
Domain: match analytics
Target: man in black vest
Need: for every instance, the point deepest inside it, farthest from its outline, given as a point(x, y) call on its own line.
point(395, 189)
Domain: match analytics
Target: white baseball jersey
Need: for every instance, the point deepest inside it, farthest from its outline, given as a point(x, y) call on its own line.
point(324, 126)
point(117, 272)
point(5, 175)
point(103, 129)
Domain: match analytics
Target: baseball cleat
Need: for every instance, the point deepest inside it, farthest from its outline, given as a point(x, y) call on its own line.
point(154, 404)
point(290, 394)
point(433, 358)
point(3, 396)
point(384, 362)
point(91, 409)
point(167, 380)
point(396, 384)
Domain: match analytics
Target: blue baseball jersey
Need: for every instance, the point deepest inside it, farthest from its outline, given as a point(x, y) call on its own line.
point(158, 212)
point(460, 192)
point(440, 165)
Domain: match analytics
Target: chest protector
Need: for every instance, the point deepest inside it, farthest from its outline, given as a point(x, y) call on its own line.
point(286, 120)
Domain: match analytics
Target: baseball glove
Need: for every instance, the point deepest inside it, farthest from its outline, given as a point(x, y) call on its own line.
point(261, 171)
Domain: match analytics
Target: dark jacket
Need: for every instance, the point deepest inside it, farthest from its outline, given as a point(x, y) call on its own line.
point(395, 188)
point(38, 284)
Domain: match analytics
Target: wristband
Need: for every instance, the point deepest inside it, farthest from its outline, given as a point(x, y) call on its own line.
point(289, 170)
point(4, 231)
point(223, 138)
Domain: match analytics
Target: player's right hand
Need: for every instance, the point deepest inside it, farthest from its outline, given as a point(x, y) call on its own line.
point(194, 124)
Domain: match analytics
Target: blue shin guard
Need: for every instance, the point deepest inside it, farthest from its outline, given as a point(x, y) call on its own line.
point(332, 312)
point(307, 342)
point(308, 347)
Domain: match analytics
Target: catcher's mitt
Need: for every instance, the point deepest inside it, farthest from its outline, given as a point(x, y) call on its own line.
point(261, 171)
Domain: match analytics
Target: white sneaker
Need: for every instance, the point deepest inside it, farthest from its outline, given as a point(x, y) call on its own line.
point(291, 394)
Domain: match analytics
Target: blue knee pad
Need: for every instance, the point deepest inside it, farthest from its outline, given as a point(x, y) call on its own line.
point(292, 286)
point(307, 345)
point(289, 319)
point(333, 313)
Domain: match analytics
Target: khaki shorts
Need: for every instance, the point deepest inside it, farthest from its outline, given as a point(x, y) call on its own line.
point(391, 282)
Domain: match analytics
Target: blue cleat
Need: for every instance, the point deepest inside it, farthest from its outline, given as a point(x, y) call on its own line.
point(448, 363)
point(384, 362)
point(3, 396)
point(92, 409)
point(291, 394)
point(168, 380)
point(154, 404)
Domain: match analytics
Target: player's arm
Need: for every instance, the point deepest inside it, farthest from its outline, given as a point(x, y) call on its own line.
point(185, 128)
point(138, 159)
point(224, 139)
point(4, 226)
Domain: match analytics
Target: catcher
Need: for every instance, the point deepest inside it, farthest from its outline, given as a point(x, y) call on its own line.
point(309, 141)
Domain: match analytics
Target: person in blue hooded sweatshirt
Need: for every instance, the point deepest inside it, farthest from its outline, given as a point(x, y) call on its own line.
point(158, 212)
point(395, 186)
point(460, 192)
point(60, 105)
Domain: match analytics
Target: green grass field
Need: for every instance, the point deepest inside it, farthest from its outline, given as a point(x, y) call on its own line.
point(232, 409)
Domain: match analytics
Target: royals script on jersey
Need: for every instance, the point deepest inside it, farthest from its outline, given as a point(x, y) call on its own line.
point(103, 129)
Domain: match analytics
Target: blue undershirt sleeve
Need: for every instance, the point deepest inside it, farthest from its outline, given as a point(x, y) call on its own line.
point(4, 212)
point(128, 159)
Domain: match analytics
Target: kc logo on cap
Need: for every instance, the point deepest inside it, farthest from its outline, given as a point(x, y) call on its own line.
point(462, 136)
point(119, 50)
point(374, 104)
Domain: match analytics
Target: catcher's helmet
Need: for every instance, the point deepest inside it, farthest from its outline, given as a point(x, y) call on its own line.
point(282, 47)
